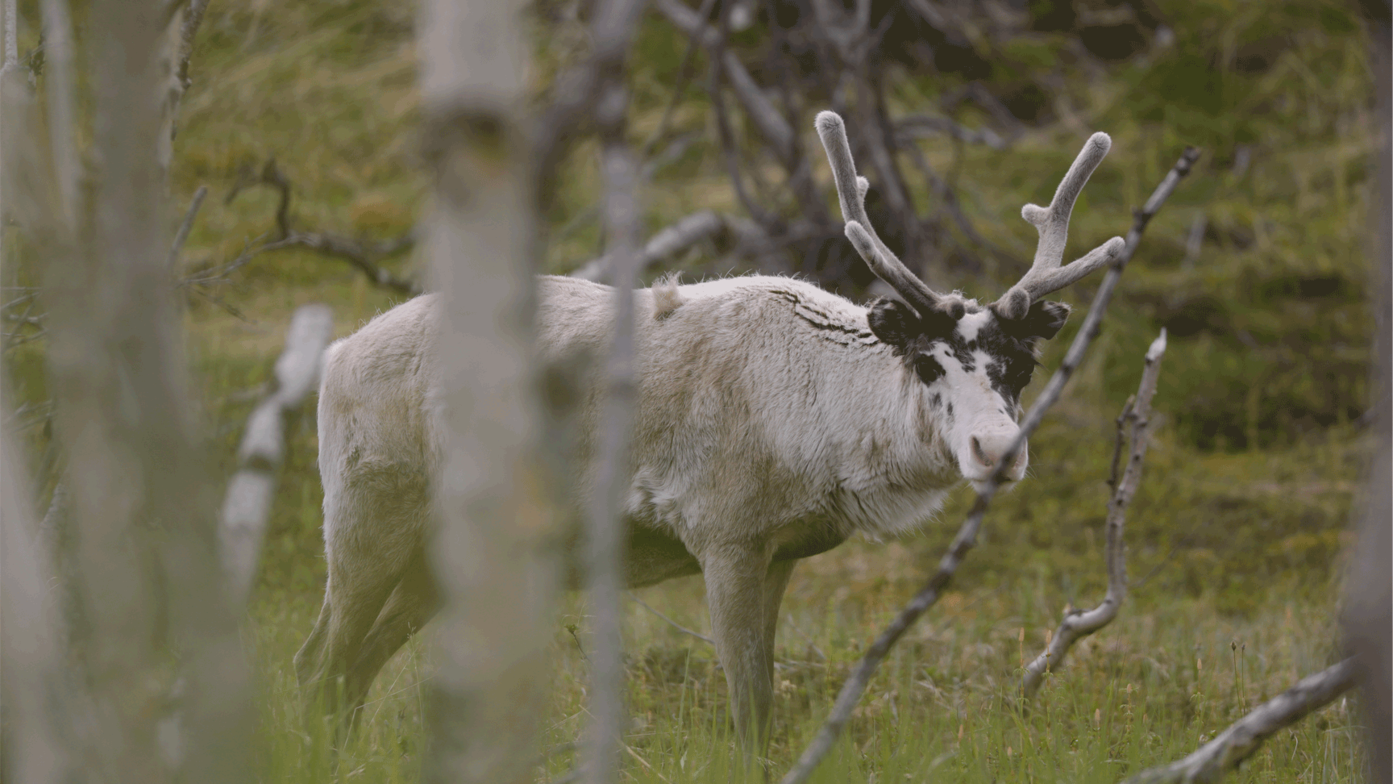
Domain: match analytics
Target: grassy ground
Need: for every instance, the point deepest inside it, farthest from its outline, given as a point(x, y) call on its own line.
point(1235, 538)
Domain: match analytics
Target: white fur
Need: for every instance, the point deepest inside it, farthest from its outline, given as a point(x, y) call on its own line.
point(769, 420)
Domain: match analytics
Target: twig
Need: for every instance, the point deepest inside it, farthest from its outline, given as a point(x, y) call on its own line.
point(919, 126)
point(1077, 625)
point(270, 176)
point(186, 226)
point(250, 491)
point(667, 243)
point(684, 75)
point(674, 624)
point(359, 254)
point(771, 124)
point(1235, 744)
point(1121, 441)
point(967, 535)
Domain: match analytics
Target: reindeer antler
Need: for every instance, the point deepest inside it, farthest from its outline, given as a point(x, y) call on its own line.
point(1045, 273)
point(851, 192)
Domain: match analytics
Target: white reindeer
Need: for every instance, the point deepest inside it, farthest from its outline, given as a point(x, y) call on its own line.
point(774, 421)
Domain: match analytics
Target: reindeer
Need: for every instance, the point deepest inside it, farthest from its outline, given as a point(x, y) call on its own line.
point(774, 421)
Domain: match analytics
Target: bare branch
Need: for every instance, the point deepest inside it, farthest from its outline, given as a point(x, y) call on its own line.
point(665, 244)
point(186, 226)
point(771, 124)
point(247, 505)
point(674, 624)
point(919, 126)
point(1235, 744)
point(1077, 625)
point(966, 538)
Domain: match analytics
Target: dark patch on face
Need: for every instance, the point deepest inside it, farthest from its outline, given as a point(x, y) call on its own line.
point(1008, 344)
point(936, 400)
point(928, 368)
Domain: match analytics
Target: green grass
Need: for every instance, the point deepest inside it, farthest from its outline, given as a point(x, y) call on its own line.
point(1235, 539)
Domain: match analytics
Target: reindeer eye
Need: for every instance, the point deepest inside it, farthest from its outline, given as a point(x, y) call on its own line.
point(927, 368)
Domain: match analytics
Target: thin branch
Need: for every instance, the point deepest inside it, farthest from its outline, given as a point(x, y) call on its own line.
point(966, 539)
point(1077, 625)
point(665, 244)
point(247, 505)
point(674, 624)
point(1235, 744)
point(187, 225)
point(771, 124)
point(919, 126)
point(684, 75)
point(1121, 441)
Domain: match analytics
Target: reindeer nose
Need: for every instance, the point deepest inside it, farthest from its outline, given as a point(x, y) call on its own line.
point(988, 449)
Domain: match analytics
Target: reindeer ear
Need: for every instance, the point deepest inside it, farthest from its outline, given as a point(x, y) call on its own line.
point(893, 322)
point(1043, 320)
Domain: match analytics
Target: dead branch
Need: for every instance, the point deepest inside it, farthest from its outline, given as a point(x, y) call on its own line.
point(771, 124)
point(364, 256)
point(921, 126)
point(247, 505)
point(663, 245)
point(966, 538)
point(186, 226)
point(612, 30)
point(1235, 744)
point(674, 624)
point(1080, 624)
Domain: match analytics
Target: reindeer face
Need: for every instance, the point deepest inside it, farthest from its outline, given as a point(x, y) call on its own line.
point(975, 368)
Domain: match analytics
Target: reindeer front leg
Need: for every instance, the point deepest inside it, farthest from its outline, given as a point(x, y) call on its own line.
point(735, 594)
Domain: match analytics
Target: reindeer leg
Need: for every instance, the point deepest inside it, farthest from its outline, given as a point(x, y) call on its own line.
point(775, 582)
point(410, 606)
point(735, 589)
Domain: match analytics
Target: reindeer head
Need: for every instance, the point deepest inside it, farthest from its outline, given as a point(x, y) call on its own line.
point(974, 360)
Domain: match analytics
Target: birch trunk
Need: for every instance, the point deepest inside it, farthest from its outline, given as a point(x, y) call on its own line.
point(143, 546)
point(494, 577)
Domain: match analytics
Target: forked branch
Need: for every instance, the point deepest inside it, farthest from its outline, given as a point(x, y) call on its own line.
point(1080, 624)
point(966, 539)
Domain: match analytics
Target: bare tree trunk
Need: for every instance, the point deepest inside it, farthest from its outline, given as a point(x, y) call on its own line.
point(31, 746)
point(493, 571)
point(143, 527)
point(1369, 606)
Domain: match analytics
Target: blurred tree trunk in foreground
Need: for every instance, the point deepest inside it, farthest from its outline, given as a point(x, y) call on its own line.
point(148, 608)
point(1369, 605)
point(489, 555)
